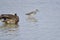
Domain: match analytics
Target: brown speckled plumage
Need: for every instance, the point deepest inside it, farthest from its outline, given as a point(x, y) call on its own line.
point(9, 18)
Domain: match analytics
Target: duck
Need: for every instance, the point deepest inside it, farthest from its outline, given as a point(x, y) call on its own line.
point(9, 18)
point(32, 12)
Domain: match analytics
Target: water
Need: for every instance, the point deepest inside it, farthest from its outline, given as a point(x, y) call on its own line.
point(45, 25)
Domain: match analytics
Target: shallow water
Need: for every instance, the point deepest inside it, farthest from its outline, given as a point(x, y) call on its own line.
point(45, 25)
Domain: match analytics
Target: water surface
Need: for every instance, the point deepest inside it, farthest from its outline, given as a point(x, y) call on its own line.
point(45, 25)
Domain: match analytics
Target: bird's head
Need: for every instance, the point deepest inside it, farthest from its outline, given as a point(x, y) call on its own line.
point(15, 14)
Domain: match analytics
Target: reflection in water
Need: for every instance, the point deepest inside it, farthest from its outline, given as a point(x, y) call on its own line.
point(9, 32)
point(31, 19)
point(8, 29)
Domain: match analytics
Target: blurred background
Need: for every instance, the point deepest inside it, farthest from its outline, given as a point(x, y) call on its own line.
point(44, 25)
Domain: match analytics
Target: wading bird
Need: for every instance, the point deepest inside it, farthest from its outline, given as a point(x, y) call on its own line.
point(32, 12)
